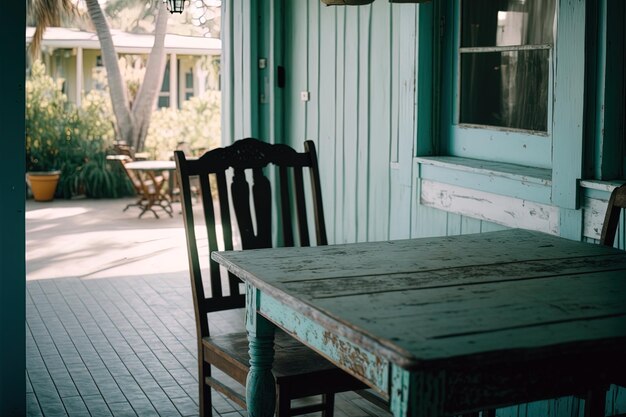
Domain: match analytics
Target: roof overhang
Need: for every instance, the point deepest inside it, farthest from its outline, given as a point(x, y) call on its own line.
point(131, 43)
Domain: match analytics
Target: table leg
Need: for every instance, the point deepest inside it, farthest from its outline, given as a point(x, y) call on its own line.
point(260, 384)
point(416, 394)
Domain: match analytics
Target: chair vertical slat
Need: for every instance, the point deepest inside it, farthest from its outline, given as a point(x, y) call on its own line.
point(209, 220)
point(227, 233)
point(285, 207)
point(262, 195)
point(222, 192)
point(303, 226)
point(316, 193)
point(240, 191)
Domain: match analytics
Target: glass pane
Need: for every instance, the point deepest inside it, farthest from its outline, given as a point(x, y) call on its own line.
point(164, 101)
point(189, 79)
point(508, 89)
point(165, 87)
point(507, 22)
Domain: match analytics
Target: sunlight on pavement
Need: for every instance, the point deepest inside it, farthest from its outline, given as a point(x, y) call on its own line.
point(55, 213)
point(96, 239)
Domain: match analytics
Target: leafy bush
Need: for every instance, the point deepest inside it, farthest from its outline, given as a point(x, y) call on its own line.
point(60, 136)
point(103, 179)
point(197, 123)
point(45, 115)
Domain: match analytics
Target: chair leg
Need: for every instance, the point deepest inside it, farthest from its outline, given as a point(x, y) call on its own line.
point(204, 399)
point(329, 405)
point(595, 403)
point(283, 403)
point(490, 412)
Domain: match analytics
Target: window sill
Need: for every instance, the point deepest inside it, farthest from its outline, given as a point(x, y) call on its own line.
point(607, 186)
point(517, 181)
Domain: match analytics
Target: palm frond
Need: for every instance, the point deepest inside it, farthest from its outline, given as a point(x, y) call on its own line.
point(46, 13)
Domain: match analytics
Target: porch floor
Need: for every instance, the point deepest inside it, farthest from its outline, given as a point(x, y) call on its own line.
point(110, 327)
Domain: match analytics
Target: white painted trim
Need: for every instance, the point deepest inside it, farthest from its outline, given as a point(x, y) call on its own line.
point(533, 175)
point(507, 211)
point(594, 211)
point(55, 37)
point(607, 186)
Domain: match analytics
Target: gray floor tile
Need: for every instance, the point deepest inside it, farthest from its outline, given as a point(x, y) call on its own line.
point(121, 348)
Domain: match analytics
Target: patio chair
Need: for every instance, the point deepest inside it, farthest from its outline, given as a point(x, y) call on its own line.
point(299, 372)
point(617, 202)
point(148, 187)
point(195, 185)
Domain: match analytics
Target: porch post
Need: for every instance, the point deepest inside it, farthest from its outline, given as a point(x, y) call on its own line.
point(79, 75)
point(173, 82)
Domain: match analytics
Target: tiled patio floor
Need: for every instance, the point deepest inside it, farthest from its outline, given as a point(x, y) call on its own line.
point(110, 327)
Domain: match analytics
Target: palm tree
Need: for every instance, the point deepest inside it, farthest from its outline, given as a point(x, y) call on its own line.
point(132, 123)
point(45, 13)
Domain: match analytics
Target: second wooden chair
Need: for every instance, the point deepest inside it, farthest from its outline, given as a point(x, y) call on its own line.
point(617, 202)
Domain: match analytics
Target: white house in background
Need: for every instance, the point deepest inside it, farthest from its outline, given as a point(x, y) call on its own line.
point(74, 55)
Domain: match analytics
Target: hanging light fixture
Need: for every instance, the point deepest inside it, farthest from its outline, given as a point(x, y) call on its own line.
point(175, 6)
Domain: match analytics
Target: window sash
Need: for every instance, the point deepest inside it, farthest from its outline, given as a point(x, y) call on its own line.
point(502, 144)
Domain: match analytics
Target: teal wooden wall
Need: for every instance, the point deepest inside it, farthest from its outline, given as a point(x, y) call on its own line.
point(369, 111)
point(361, 78)
point(359, 66)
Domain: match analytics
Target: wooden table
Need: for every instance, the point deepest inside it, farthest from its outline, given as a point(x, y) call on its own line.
point(150, 184)
point(444, 325)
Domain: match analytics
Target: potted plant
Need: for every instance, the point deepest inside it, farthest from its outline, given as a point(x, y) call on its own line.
point(45, 132)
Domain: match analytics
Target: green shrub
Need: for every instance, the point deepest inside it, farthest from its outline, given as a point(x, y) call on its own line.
point(198, 123)
point(104, 179)
point(60, 136)
point(46, 107)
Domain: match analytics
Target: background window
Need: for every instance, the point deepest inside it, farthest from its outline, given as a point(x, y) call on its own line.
point(189, 84)
point(505, 63)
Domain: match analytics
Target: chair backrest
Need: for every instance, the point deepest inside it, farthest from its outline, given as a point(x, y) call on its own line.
point(251, 207)
point(121, 148)
point(617, 202)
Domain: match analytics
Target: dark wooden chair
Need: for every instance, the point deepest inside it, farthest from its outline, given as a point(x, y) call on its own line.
point(225, 191)
point(617, 202)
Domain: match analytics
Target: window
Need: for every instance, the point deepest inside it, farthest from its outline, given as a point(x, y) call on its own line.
point(164, 94)
point(500, 82)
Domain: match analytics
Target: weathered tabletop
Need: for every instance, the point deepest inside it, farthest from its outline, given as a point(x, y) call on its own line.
point(447, 324)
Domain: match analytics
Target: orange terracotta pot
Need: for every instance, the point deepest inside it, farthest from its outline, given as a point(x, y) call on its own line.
point(43, 184)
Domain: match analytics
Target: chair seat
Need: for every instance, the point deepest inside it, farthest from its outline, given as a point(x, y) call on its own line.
point(293, 363)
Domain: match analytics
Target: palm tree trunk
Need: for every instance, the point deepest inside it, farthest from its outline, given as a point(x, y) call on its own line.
point(153, 78)
point(117, 88)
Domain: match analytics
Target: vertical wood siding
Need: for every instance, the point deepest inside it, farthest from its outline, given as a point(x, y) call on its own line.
point(359, 72)
point(239, 53)
point(359, 65)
